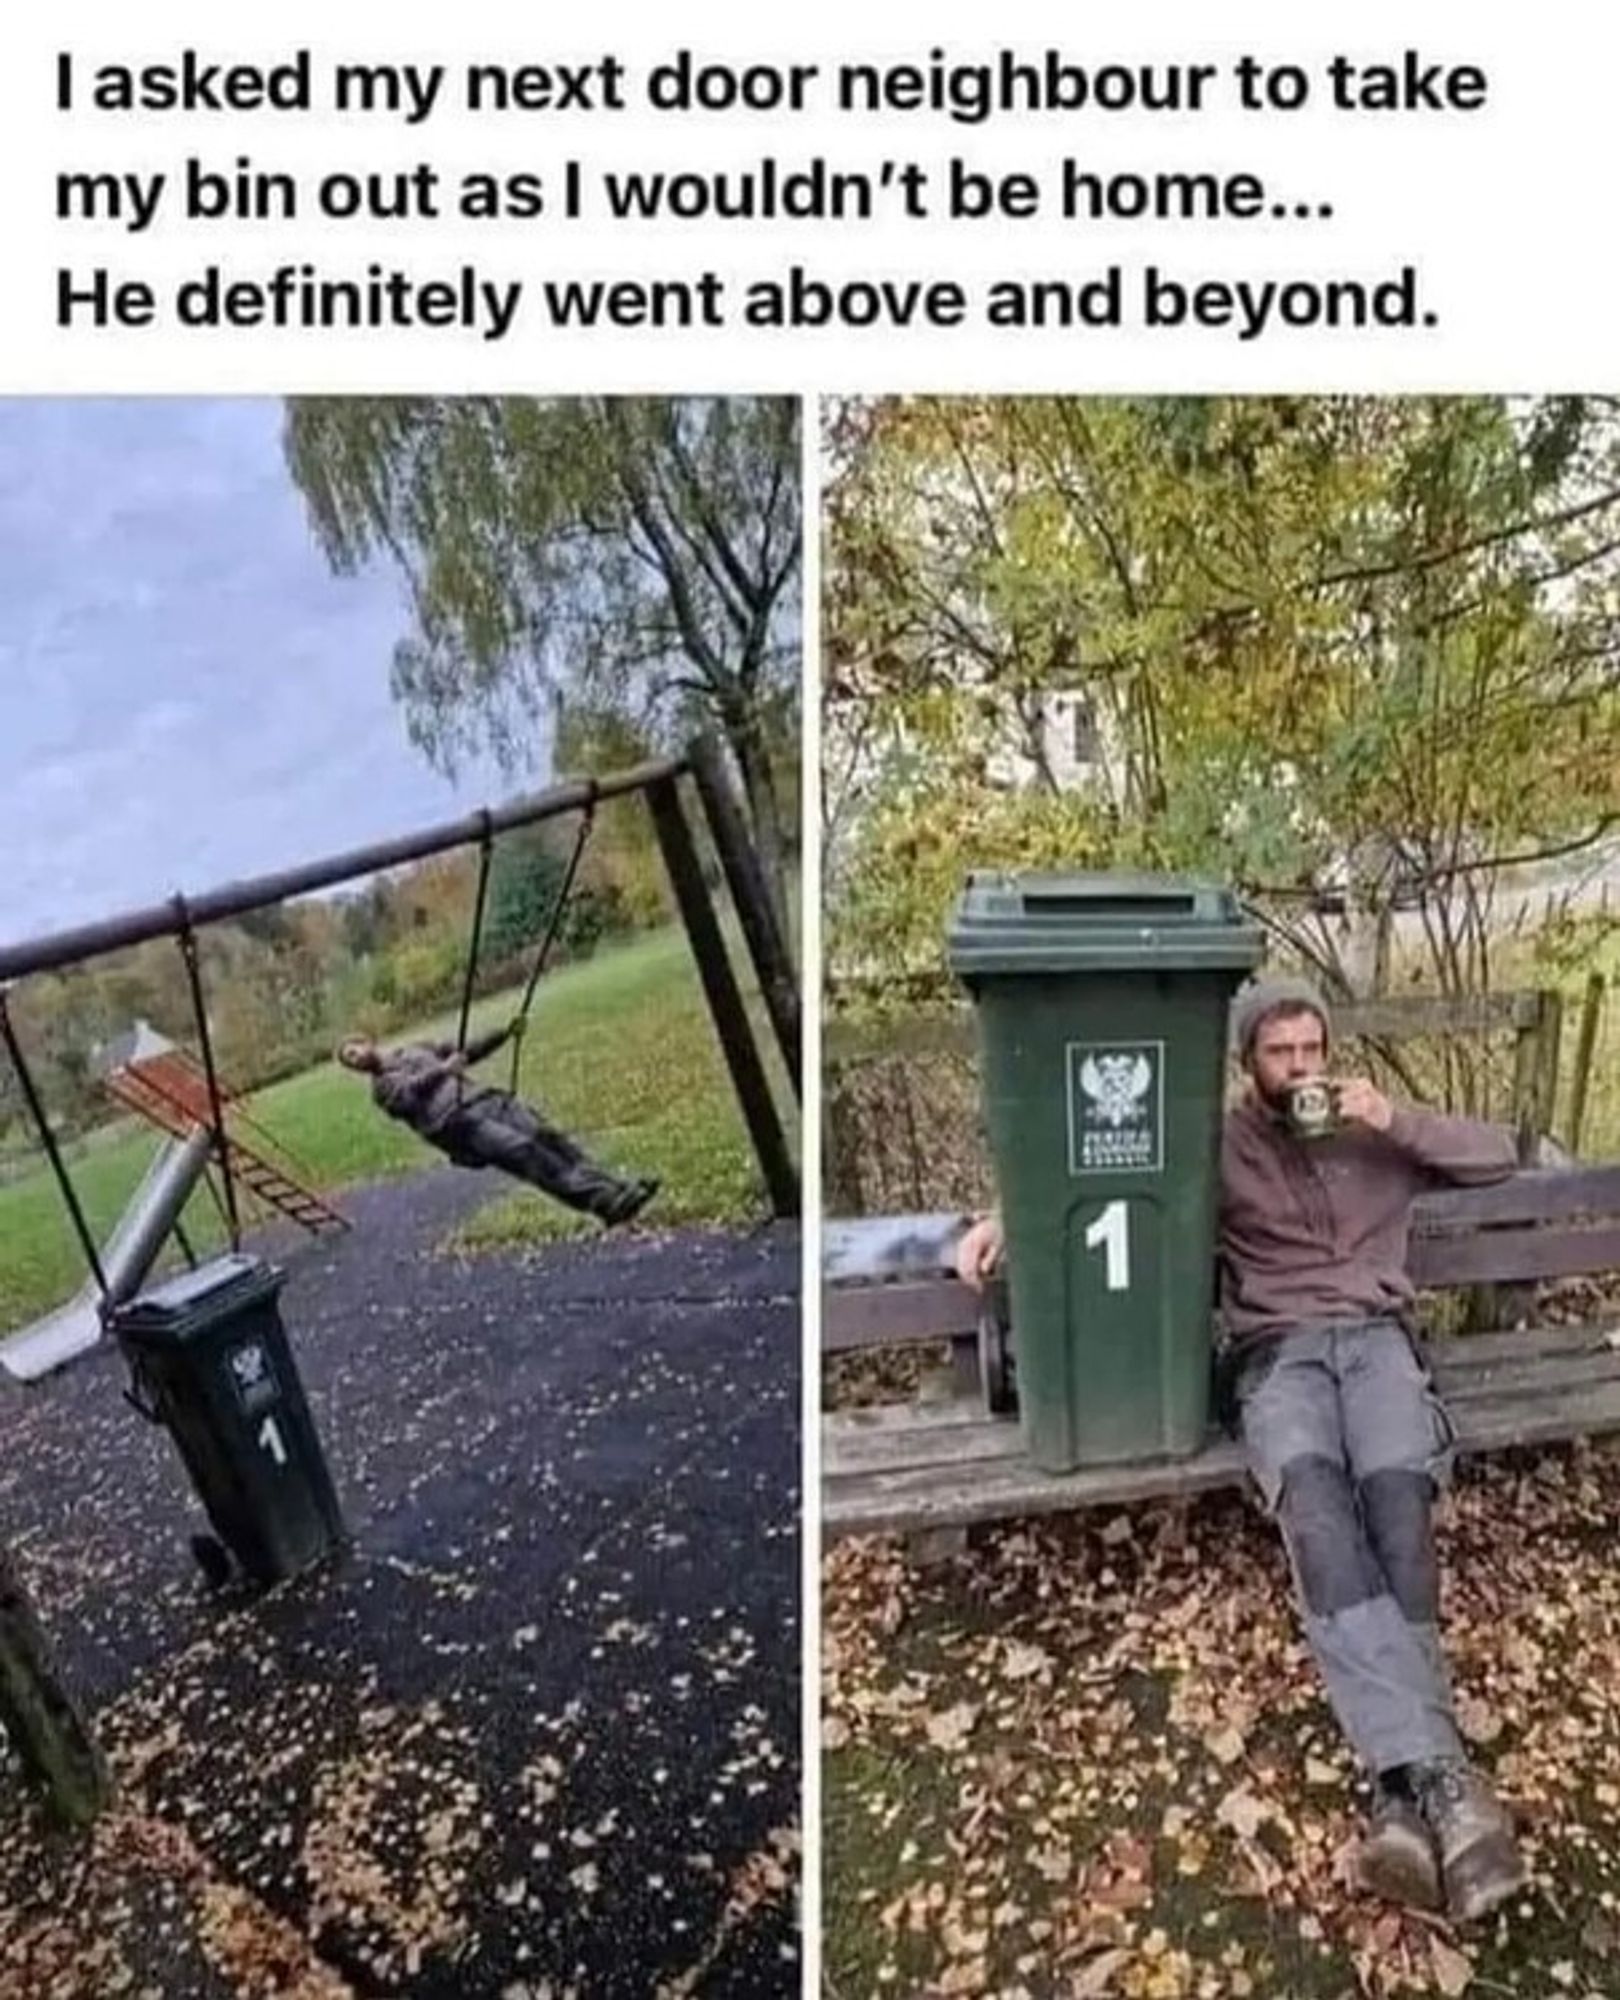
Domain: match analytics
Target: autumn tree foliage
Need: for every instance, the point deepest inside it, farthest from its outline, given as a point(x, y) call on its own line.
point(638, 554)
point(1356, 655)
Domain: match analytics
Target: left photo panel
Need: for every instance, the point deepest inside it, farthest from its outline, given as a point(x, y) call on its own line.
point(400, 1197)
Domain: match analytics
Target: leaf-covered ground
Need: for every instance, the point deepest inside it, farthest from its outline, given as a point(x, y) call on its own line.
point(1090, 1758)
point(535, 1735)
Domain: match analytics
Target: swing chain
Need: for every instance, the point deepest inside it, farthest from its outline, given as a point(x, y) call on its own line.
point(486, 845)
point(187, 938)
point(42, 1124)
point(520, 1020)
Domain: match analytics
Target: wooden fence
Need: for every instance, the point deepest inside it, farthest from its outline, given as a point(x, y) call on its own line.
point(903, 1130)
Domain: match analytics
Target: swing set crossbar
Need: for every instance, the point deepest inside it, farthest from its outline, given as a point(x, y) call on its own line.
point(70, 947)
point(658, 780)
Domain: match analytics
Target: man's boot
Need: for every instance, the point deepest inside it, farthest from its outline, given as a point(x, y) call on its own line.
point(1480, 1862)
point(627, 1205)
point(1397, 1859)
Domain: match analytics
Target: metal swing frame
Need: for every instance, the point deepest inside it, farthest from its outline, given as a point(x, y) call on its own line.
point(660, 781)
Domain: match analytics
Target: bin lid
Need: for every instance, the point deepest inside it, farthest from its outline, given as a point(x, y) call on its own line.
point(194, 1299)
point(1093, 922)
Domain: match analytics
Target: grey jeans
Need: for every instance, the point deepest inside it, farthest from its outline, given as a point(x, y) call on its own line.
point(1349, 1443)
point(502, 1131)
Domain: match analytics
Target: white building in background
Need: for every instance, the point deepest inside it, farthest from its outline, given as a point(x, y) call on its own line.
point(1072, 741)
point(1064, 739)
point(1059, 738)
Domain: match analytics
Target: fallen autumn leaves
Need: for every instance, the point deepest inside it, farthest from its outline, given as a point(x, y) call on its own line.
point(534, 1737)
point(1090, 1758)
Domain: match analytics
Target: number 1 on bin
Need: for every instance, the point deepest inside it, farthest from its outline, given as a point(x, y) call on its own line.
point(270, 1440)
point(1110, 1233)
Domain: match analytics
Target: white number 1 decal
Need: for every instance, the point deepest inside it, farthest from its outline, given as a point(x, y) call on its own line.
point(270, 1439)
point(1111, 1232)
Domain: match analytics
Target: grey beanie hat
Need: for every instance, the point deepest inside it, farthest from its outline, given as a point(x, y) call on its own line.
point(1265, 996)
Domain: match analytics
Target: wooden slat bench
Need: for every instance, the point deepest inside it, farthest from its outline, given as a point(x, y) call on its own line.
point(948, 1463)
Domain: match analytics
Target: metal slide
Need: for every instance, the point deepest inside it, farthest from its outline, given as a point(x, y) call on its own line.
point(128, 1255)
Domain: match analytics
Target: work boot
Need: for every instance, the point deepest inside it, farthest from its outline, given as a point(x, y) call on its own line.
point(1480, 1862)
point(627, 1206)
point(1397, 1858)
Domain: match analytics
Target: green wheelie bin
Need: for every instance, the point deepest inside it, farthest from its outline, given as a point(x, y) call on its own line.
point(1102, 1003)
point(210, 1362)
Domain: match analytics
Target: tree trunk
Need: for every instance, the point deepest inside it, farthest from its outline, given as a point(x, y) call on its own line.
point(47, 1729)
point(764, 810)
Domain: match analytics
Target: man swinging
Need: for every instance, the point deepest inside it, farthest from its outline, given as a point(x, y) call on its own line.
point(426, 1086)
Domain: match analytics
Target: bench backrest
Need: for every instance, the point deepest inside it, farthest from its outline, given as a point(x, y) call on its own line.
point(1542, 1223)
point(888, 1279)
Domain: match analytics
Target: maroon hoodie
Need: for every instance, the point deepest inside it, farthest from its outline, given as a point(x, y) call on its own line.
point(1314, 1230)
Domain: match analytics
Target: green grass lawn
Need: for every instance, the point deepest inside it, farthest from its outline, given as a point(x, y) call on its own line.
point(620, 1050)
point(41, 1264)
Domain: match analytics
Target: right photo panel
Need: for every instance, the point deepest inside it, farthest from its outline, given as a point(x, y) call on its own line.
point(1221, 1162)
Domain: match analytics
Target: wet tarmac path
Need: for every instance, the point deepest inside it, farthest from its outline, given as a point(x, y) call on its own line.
point(536, 1733)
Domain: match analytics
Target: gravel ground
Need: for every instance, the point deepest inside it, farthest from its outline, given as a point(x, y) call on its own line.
point(536, 1733)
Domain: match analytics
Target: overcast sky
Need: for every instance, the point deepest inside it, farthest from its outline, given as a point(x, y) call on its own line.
point(187, 694)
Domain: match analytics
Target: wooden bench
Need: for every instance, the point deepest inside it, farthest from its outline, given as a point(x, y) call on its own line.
point(951, 1461)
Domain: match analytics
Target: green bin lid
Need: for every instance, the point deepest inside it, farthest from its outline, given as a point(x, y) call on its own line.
point(184, 1304)
point(1089, 922)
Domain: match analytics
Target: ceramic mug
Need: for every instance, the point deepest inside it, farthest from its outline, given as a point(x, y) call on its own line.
point(1311, 1108)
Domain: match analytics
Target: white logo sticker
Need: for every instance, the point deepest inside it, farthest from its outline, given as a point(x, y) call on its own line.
point(1116, 1107)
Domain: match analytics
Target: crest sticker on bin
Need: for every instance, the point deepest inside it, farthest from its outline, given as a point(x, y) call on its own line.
point(1116, 1107)
point(252, 1376)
